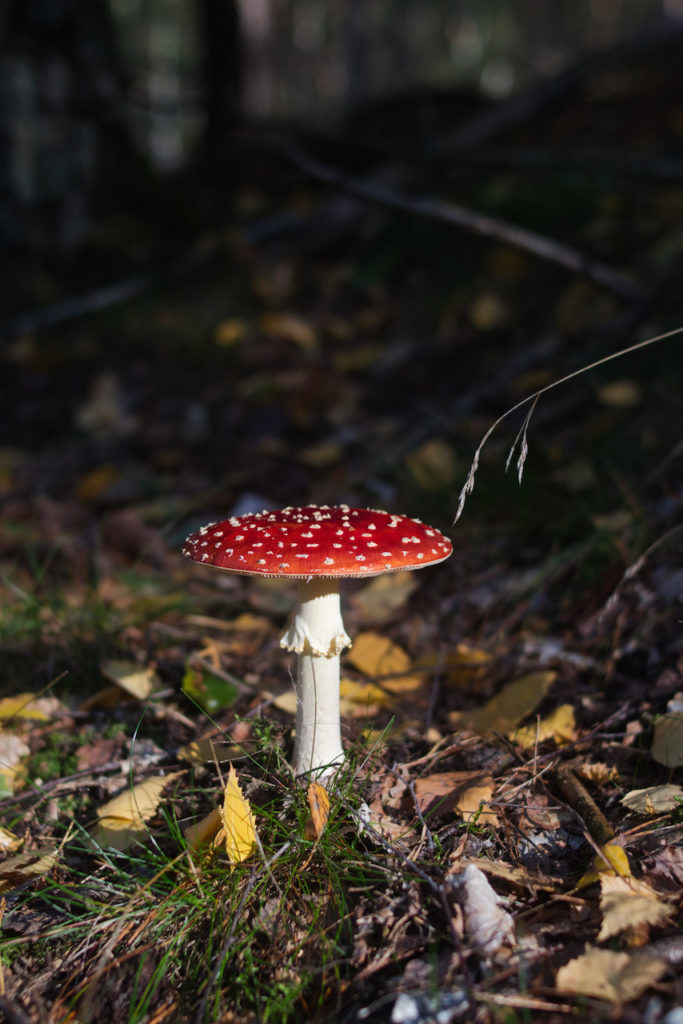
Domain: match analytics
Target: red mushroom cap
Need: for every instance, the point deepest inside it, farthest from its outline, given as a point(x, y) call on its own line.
point(324, 541)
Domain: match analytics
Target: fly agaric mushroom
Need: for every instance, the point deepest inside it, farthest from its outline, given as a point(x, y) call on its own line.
point(318, 546)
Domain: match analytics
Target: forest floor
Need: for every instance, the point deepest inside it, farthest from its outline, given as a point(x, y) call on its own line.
point(505, 840)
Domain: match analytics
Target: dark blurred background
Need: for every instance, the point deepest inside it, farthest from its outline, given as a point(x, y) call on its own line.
point(118, 116)
point(194, 324)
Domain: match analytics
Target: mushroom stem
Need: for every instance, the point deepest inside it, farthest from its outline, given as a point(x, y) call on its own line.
point(317, 636)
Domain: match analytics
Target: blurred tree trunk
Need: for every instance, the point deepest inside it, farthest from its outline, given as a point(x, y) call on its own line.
point(58, 83)
point(221, 73)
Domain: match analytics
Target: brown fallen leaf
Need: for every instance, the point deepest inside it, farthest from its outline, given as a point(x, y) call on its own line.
point(667, 867)
point(614, 977)
point(202, 832)
point(465, 792)
point(516, 876)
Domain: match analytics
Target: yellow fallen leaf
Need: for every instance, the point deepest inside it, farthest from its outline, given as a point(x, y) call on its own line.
point(27, 705)
point(357, 698)
point(620, 394)
point(653, 799)
point(612, 860)
point(8, 840)
point(201, 752)
point(289, 327)
point(229, 332)
point(628, 903)
point(377, 655)
point(12, 749)
point(559, 725)
point(319, 802)
point(504, 711)
point(121, 821)
point(138, 682)
point(202, 832)
point(614, 977)
point(284, 701)
point(14, 871)
point(667, 742)
point(458, 667)
point(94, 484)
point(238, 833)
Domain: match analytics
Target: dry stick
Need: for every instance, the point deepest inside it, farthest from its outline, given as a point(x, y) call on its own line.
point(470, 220)
point(468, 486)
point(578, 797)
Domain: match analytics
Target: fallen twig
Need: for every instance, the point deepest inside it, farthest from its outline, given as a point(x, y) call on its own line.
point(470, 220)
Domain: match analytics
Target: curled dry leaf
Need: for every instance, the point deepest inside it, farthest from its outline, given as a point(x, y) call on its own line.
point(202, 832)
point(614, 977)
point(319, 802)
point(487, 924)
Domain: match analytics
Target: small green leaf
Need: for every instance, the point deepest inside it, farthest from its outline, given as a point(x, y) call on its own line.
point(208, 690)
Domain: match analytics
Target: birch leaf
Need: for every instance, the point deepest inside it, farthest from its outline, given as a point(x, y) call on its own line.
point(615, 977)
point(627, 903)
point(238, 833)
